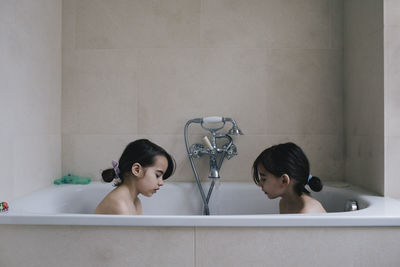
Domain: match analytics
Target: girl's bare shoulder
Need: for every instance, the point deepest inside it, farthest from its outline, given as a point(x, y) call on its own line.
point(114, 203)
point(312, 206)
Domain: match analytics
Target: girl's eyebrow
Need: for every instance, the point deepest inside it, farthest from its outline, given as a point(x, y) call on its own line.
point(261, 174)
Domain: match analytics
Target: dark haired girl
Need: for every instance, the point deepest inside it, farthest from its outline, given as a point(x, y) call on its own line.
point(141, 170)
point(283, 171)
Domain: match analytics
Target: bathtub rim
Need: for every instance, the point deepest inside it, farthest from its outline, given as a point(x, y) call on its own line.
point(274, 220)
point(381, 211)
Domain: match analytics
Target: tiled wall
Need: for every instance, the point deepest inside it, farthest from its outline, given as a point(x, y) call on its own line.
point(30, 95)
point(188, 246)
point(364, 94)
point(392, 97)
point(143, 68)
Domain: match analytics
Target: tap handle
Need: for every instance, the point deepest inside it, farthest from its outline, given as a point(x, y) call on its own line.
point(207, 142)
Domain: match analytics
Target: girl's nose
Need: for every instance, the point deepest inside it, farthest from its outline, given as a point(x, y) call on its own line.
point(161, 182)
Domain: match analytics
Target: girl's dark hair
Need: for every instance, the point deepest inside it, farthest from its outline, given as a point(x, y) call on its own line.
point(287, 159)
point(141, 151)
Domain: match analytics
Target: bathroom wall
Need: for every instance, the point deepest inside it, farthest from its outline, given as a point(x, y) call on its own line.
point(134, 69)
point(392, 97)
point(30, 95)
point(364, 94)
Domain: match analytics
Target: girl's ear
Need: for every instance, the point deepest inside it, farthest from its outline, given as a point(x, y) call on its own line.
point(285, 179)
point(137, 170)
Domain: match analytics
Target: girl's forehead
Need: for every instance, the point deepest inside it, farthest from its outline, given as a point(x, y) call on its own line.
point(260, 168)
point(160, 162)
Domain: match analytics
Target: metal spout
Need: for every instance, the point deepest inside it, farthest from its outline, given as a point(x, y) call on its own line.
point(214, 173)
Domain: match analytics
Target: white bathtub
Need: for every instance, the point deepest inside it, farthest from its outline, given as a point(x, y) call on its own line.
point(178, 204)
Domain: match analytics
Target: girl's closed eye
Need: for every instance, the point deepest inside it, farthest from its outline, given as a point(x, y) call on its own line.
point(262, 177)
point(159, 174)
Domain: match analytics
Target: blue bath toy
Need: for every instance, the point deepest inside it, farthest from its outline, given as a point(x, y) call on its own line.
point(72, 179)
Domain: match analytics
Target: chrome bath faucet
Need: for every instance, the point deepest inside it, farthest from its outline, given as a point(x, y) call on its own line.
point(212, 148)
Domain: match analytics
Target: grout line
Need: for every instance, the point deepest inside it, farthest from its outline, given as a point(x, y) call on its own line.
point(138, 71)
point(194, 246)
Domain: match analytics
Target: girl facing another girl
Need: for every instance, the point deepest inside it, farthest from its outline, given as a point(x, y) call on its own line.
point(142, 168)
point(283, 171)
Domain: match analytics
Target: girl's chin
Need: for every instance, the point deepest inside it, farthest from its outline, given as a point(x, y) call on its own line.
point(148, 194)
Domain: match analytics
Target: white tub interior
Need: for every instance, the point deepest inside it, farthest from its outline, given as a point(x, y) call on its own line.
point(174, 199)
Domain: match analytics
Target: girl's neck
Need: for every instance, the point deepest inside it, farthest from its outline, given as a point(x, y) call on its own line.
point(291, 202)
point(130, 185)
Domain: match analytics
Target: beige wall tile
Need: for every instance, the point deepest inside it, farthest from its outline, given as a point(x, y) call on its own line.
point(286, 247)
point(304, 93)
point(6, 164)
point(36, 162)
point(392, 80)
point(100, 90)
point(105, 246)
point(178, 85)
point(68, 24)
point(364, 162)
point(392, 159)
point(361, 17)
point(100, 109)
point(278, 24)
point(364, 88)
point(39, 101)
point(7, 78)
point(391, 11)
point(269, 247)
point(70, 103)
point(336, 8)
point(34, 62)
point(96, 246)
point(170, 90)
point(30, 67)
point(235, 85)
point(364, 94)
point(392, 97)
point(128, 24)
point(301, 24)
point(7, 11)
point(386, 239)
point(222, 26)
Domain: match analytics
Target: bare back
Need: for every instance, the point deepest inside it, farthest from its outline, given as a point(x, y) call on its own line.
point(119, 201)
point(307, 204)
